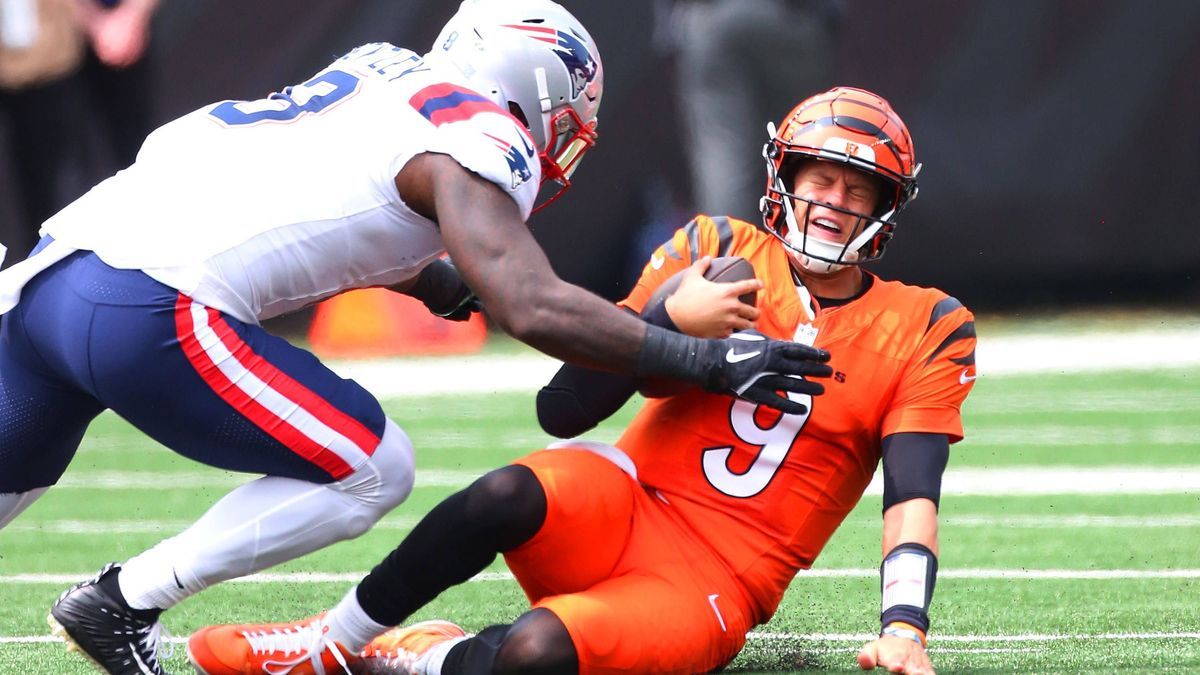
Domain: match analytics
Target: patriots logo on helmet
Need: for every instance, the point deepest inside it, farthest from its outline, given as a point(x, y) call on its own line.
point(517, 163)
point(568, 46)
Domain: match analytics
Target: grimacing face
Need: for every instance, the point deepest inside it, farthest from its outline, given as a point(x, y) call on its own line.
point(838, 185)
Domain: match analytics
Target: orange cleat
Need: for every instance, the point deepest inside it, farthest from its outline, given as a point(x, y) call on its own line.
point(298, 648)
point(400, 651)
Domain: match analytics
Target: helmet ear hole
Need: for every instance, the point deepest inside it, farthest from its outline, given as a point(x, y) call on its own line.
point(518, 113)
point(788, 169)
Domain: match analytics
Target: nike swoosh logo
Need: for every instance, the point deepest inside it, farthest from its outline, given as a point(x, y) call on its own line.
point(733, 357)
point(656, 262)
point(712, 600)
point(963, 378)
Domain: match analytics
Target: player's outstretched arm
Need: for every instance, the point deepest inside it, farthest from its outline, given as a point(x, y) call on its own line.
point(579, 398)
point(906, 577)
point(913, 464)
point(498, 257)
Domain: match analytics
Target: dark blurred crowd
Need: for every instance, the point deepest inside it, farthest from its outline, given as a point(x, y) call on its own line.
point(74, 97)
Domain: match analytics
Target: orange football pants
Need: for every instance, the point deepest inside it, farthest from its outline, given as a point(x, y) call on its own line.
point(638, 592)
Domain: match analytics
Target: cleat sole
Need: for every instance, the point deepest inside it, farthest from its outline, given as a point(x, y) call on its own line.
point(60, 631)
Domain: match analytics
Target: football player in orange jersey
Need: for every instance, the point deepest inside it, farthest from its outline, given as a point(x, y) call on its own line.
point(659, 553)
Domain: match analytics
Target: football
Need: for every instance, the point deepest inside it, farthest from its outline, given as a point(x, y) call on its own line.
point(726, 269)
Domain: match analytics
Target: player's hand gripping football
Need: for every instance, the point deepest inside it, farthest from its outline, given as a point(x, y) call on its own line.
point(896, 655)
point(712, 309)
point(756, 368)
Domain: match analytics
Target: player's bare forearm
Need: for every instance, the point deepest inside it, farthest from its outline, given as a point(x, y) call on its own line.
point(499, 258)
point(900, 648)
point(913, 521)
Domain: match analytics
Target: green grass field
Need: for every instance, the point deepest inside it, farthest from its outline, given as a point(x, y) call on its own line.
point(1056, 557)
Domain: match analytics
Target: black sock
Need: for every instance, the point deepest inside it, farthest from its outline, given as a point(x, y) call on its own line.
point(477, 654)
point(454, 542)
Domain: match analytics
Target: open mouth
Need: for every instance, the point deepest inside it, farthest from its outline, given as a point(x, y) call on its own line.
point(825, 228)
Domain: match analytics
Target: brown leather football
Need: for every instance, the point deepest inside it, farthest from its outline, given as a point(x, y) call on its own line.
point(725, 269)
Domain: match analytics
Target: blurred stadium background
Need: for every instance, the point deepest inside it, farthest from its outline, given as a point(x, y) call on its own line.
point(1059, 138)
point(1058, 200)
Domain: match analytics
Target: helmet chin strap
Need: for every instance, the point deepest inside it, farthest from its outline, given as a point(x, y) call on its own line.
point(804, 249)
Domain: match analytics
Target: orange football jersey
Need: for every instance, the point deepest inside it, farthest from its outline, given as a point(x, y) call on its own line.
point(765, 490)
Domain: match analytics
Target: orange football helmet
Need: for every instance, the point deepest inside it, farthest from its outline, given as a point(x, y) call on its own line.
point(851, 126)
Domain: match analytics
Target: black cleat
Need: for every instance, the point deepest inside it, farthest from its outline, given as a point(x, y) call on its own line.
point(93, 618)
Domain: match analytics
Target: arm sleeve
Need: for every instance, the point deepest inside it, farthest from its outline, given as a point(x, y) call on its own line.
point(913, 464)
point(579, 398)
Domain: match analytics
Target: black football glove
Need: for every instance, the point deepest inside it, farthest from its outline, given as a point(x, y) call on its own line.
point(470, 305)
point(755, 367)
point(747, 364)
point(444, 292)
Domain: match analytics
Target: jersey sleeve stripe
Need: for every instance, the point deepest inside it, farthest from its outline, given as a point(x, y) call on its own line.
point(447, 103)
point(968, 360)
point(963, 332)
point(724, 235)
point(941, 309)
point(692, 230)
point(670, 250)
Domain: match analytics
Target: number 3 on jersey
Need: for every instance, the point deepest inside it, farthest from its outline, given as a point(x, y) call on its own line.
point(312, 97)
point(774, 443)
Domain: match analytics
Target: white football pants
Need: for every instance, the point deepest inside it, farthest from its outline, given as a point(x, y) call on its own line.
point(269, 521)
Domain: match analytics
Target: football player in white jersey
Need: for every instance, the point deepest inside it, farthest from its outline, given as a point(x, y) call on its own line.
point(145, 295)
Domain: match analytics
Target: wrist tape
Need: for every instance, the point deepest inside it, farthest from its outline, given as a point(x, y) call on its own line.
point(907, 577)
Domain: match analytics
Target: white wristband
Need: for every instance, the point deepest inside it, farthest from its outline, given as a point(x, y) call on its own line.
point(907, 633)
point(904, 580)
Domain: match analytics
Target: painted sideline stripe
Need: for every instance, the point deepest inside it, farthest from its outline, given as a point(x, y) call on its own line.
point(1003, 355)
point(846, 573)
point(1015, 481)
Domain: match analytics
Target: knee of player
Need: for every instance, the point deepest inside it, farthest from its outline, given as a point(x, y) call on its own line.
point(511, 493)
point(383, 481)
point(394, 460)
point(537, 643)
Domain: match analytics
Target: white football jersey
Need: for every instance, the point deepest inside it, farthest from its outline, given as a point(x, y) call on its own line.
point(257, 208)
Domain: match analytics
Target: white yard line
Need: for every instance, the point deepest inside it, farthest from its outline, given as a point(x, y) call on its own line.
point(215, 478)
point(1065, 480)
point(1007, 482)
point(845, 637)
point(996, 356)
point(404, 523)
point(845, 573)
point(1068, 521)
point(1025, 637)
